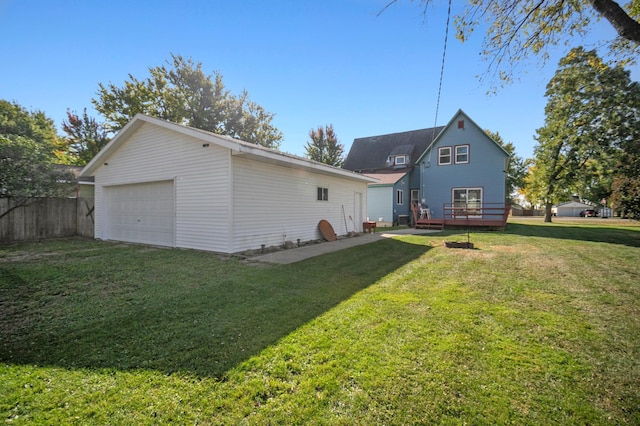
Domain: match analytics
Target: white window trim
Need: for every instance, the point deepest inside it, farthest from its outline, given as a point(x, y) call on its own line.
point(453, 200)
point(400, 197)
point(456, 154)
point(440, 149)
point(400, 159)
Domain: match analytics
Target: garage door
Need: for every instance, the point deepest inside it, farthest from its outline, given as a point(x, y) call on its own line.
point(141, 213)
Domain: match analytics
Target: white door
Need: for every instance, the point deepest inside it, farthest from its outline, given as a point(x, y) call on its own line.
point(141, 213)
point(357, 211)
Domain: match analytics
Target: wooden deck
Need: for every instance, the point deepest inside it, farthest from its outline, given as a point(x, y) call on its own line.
point(487, 216)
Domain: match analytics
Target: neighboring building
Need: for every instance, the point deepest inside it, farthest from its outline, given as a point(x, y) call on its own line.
point(457, 168)
point(161, 183)
point(570, 209)
point(84, 188)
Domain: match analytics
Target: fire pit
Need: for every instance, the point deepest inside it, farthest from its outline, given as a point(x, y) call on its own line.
point(455, 244)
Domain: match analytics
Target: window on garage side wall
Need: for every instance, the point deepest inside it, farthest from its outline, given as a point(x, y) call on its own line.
point(323, 194)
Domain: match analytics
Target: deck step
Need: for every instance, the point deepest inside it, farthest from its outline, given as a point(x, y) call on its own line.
point(430, 224)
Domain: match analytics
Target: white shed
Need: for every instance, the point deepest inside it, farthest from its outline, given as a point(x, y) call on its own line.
point(571, 208)
point(166, 184)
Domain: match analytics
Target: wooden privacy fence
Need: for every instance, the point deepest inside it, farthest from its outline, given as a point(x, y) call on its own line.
point(45, 217)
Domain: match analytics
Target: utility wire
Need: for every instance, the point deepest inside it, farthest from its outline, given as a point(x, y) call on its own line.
point(444, 54)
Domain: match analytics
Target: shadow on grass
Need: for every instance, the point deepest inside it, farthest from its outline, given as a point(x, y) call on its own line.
point(129, 308)
point(603, 234)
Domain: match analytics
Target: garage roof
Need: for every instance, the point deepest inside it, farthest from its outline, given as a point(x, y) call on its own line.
point(237, 147)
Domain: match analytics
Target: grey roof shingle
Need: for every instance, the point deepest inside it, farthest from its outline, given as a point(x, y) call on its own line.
point(371, 153)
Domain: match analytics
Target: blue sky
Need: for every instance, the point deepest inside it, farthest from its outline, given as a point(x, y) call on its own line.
point(311, 63)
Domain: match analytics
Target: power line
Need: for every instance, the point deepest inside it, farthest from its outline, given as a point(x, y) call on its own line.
point(444, 54)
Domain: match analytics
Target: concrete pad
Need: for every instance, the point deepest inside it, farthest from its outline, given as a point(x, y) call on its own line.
point(285, 257)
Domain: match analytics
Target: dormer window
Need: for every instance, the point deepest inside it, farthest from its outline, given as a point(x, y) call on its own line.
point(397, 160)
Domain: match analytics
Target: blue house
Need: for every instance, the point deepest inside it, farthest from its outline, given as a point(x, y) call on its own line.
point(391, 159)
point(458, 177)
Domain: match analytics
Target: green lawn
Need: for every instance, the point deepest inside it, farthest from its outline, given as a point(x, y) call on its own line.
point(540, 324)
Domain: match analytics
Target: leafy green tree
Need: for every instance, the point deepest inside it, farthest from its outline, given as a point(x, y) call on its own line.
point(325, 147)
point(516, 167)
point(516, 29)
point(625, 185)
point(28, 150)
point(85, 137)
point(182, 93)
point(592, 113)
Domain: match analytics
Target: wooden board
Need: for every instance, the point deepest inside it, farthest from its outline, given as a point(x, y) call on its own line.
point(327, 230)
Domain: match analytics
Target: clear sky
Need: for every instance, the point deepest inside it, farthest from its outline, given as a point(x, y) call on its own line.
point(311, 63)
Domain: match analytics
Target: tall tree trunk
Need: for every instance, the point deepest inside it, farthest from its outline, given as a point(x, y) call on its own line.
point(547, 212)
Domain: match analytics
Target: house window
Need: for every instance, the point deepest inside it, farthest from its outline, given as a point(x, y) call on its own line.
point(400, 197)
point(444, 155)
point(397, 160)
point(323, 194)
point(467, 201)
point(462, 154)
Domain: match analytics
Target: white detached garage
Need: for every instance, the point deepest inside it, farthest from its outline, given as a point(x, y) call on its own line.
point(165, 184)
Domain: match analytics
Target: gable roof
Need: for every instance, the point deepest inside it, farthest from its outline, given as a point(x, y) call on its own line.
point(386, 179)
point(371, 153)
point(450, 123)
point(237, 147)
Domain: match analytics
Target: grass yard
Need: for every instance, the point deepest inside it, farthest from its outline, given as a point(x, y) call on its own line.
point(540, 324)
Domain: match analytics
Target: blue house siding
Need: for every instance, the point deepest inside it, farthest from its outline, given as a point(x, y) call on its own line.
point(484, 170)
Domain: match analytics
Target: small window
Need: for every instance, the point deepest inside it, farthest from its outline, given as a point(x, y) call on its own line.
point(401, 159)
point(400, 197)
point(323, 194)
point(462, 154)
point(444, 155)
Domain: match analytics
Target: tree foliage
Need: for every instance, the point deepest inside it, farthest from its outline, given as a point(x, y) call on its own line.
point(182, 93)
point(324, 146)
point(28, 150)
point(85, 137)
point(592, 116)
point(517, 29)
point(625, 194)
point(516, 168)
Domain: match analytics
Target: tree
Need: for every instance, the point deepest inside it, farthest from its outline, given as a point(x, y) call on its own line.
point(325, 147)
point(625, 187)
point(516, 168)
point(519, 28)
point(184, 94)
point(592, 114)
point(85, 137)
point(28, 150)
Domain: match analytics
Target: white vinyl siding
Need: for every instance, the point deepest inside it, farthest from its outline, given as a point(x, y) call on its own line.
point(274, 204)
point(201, 176)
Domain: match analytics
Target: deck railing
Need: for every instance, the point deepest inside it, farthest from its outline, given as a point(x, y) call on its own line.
point(474, 211)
